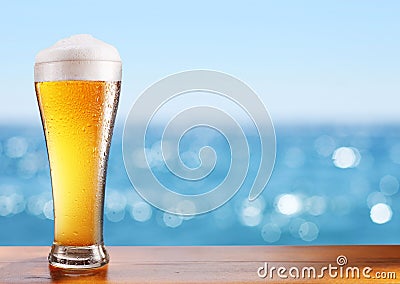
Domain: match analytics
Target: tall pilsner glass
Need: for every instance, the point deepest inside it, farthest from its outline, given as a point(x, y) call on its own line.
point(77, 83)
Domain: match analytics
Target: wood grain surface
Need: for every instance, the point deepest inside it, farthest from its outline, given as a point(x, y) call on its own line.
point(209, 264)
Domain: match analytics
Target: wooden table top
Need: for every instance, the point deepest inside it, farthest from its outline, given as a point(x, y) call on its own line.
point(234, 264)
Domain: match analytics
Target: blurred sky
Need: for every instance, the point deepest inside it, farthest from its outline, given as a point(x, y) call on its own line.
point(319, 61)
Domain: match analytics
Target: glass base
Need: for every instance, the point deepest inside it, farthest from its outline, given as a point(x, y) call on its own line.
point(77, 257)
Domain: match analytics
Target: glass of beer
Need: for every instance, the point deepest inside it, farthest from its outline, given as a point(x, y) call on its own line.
point(77, 83)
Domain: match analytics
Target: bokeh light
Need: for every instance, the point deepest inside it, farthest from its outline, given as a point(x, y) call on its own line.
point(271, 233)
point(288, 204)
point(346, 157)
point(172, 221)
point(294, 226)
point(115, 204)
point(376, 197)
point(324, 145)
point(381, 213)
point(141, 211)
point(36, 204)
point(389, 185)
point(16, 147)
point(308, 231)
point(5, 205)
point(251, 212)
point(48, 210)
point(315, 205)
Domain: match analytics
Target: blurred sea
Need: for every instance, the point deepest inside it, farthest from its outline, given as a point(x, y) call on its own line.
point(332, 184)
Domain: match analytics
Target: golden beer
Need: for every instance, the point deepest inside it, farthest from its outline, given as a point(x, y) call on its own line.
point(78, 118)
point(77, 84)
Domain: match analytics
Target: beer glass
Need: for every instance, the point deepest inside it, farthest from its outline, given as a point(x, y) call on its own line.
point(77, 84)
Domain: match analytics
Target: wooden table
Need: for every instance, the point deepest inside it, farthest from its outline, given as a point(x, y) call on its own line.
point(209, 265)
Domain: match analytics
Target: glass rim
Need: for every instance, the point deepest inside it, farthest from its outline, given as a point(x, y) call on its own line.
point(73, 70)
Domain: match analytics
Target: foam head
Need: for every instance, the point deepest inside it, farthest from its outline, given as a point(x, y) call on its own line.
point(79, 57)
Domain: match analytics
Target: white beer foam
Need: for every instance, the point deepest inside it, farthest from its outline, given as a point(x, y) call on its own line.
point(79, 47)
point(79, 57)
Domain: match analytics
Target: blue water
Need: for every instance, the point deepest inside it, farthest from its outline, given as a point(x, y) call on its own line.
point(332, 184)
